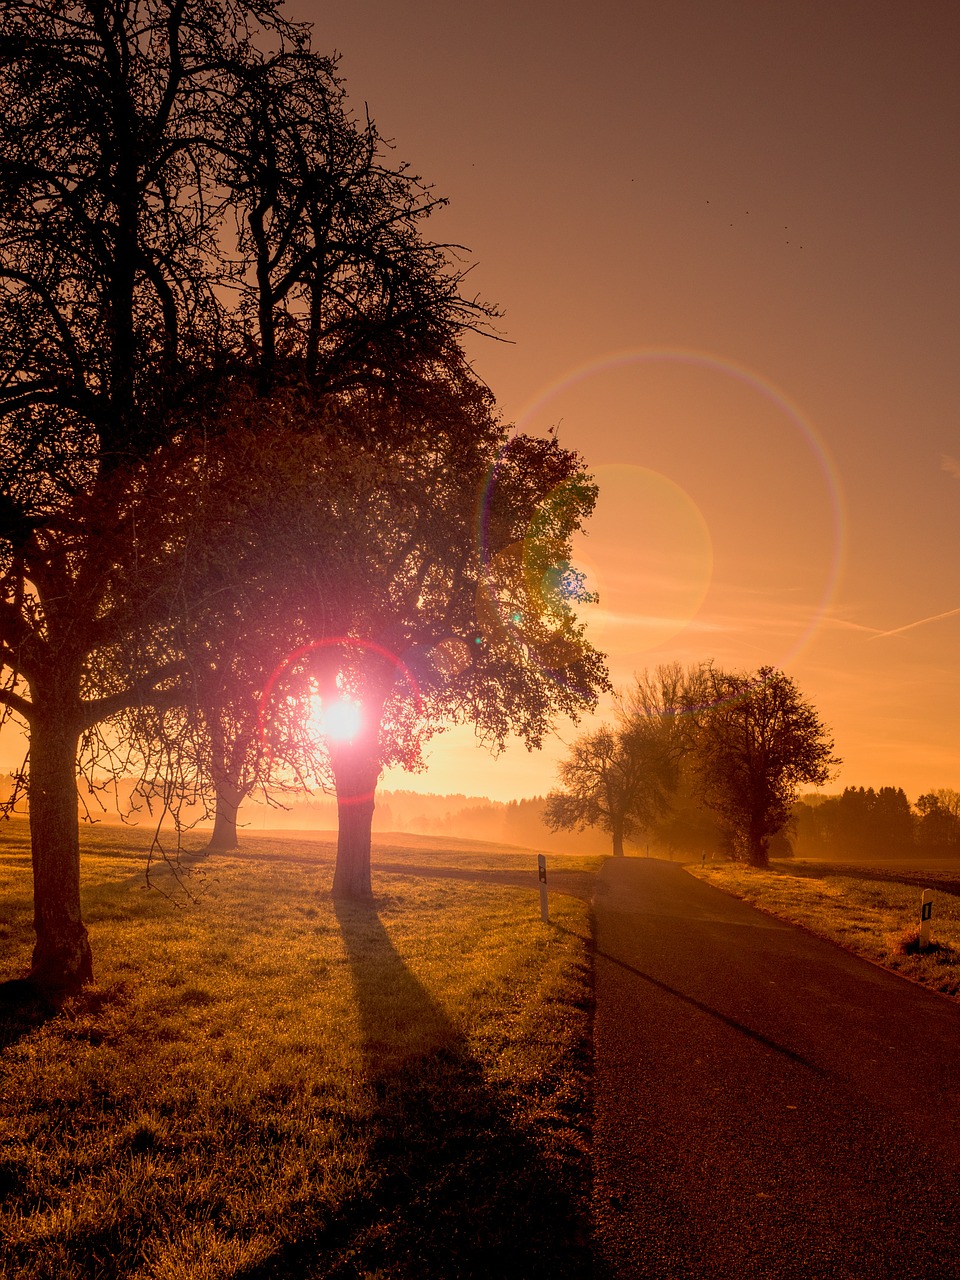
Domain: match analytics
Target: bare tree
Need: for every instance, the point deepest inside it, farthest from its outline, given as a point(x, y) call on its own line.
point(621, 778)
point(599, 781)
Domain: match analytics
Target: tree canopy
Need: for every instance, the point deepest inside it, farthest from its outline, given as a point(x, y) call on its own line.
point(436, 620)
point(755, 741)
point(187, 208)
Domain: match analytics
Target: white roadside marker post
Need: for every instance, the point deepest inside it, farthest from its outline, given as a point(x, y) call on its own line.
point(542, 873)
point(926, 911)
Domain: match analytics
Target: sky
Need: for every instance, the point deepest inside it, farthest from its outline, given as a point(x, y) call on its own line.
point(723, 238)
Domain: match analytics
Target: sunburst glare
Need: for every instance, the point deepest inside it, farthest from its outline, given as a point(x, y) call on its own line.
point(339, 720)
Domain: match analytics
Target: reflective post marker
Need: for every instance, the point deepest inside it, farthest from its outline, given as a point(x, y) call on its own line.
point(926, 911)
point(542, 873)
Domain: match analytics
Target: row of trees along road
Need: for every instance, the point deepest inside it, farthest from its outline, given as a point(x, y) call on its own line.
point(242, 453)
point(742, 744)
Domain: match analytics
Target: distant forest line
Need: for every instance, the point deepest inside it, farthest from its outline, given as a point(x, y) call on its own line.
point(859, 821)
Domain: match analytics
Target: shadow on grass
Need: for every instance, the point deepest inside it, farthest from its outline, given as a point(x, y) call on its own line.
point(455, 1187)
point(22, 1010)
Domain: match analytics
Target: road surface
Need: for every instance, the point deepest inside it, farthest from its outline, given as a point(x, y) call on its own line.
point(767, 1105)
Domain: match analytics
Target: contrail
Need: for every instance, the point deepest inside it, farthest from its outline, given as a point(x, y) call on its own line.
point(950, 613)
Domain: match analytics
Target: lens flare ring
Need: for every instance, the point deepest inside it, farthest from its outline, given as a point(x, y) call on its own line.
point(627, 357)
point(538, 570)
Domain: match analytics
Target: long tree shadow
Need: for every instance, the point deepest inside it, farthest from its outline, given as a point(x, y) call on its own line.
point(740, 1027)
point(456, 1187)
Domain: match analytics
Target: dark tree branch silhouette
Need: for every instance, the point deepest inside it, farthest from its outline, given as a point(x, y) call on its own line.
point(181, 212)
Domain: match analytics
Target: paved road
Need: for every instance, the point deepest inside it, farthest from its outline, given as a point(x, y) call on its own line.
point(767, 1104)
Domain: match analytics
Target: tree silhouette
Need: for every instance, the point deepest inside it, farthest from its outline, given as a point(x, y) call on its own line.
point(262, 510)
point(939, 818)
point(186, 207)
point(456, 600)
point(599, 781)
point(615, 779)
point(621, 778)
point(755, 742)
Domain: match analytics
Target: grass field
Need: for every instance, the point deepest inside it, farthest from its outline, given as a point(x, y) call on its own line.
point(262, 1084)
point(865, 909)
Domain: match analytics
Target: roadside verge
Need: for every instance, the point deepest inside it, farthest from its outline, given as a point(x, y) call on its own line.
point(875, 918)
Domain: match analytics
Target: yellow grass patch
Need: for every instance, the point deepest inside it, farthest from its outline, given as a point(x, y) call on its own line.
point(263, 1079)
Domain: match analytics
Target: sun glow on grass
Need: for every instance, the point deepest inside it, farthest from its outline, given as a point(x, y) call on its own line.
point(337, 721)
point(330, 1089)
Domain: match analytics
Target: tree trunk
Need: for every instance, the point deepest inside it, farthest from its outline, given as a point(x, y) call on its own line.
point(617, 841)
point(62, 961)
point(228, 798)
point(356, 775)
point(758, 846)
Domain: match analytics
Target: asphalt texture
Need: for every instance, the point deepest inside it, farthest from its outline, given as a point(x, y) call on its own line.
point(767, 1104)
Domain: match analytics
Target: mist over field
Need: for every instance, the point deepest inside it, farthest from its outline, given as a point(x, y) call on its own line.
point(459, 816)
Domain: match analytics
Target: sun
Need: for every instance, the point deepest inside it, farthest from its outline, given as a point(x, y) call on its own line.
point(339, 720)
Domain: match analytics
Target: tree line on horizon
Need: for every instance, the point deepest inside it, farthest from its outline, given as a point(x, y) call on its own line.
point(514, 822)
point(857, 822)
point(862, 820)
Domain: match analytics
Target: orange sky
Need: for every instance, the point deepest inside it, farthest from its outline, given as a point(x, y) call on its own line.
point(724, 237)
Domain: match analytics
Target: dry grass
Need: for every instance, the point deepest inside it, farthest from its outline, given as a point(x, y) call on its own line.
point(869, 915)
point(264, 1085)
